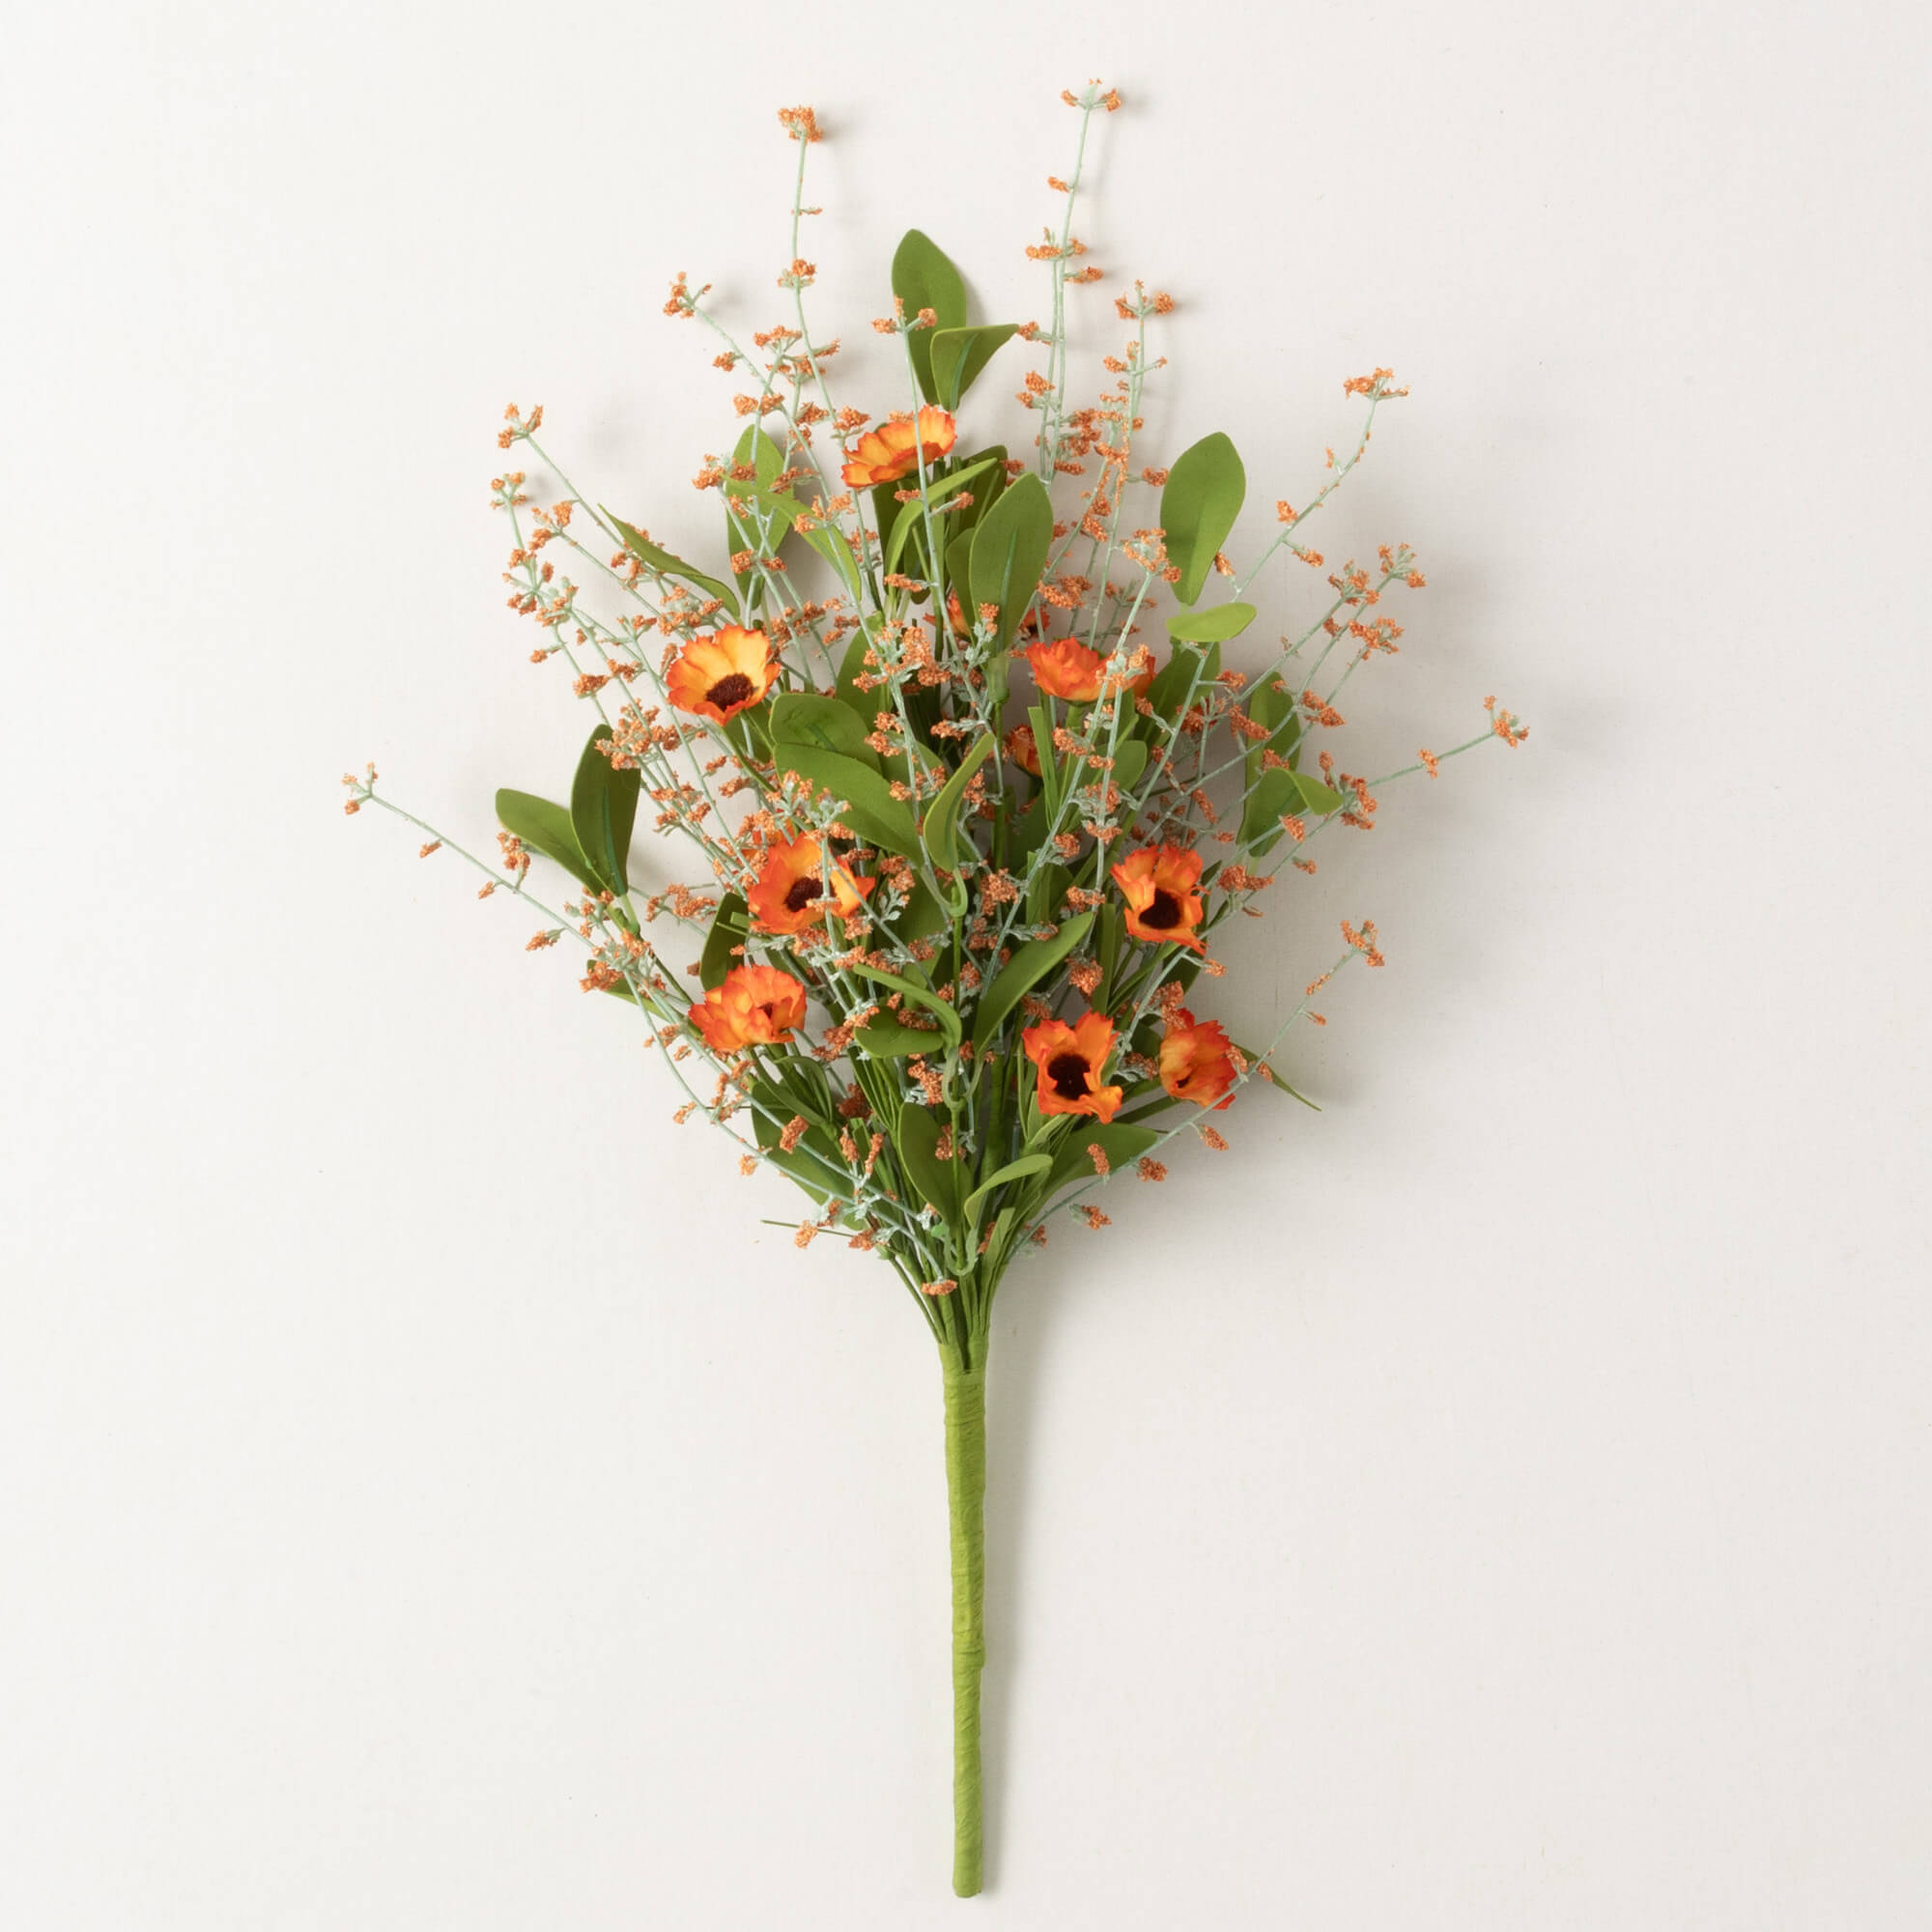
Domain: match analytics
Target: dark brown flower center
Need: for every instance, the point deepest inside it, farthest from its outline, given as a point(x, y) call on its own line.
point(1165, 911)
point(803, 892)
point(729, 691)
point(1069, 1073)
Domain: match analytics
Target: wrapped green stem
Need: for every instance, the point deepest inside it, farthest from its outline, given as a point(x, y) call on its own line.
point(966, 1496)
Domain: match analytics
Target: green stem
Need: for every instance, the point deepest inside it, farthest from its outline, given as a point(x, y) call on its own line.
point(966, 1495)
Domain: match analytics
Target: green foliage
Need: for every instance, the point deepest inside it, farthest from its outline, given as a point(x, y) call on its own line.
point(920, 996)
point(924, 277)
point(868, 804)
point(666, 564)
point(603, 808)
point(1009, 552)
point(544, 828)
point(1121, 1145)
point(1023, 972)
point(957, 355)
point(907, 522)
point(1215, 625)
point(729, 925)
point(916, 1139)
point(942, 819)
point(804, 718)
point(1022, 1168)
point(1198, 506)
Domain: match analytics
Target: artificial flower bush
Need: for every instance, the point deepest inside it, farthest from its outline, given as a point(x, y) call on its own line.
point(959, 828)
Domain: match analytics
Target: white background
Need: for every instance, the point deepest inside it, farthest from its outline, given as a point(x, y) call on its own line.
point(432, 1499)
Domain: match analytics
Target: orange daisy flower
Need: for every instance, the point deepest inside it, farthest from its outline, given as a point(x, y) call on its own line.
point(1069, 1060)
point(753, 1005)
point(1022, 750)
point(1196, 1062)
point(1158, 883)
point(789, 895)
point(720, 673)
point(896, 449)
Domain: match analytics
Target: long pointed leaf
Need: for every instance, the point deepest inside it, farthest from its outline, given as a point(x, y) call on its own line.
point(1029, 965)
point(603, 809)
point(666, 564)
point(941, 830)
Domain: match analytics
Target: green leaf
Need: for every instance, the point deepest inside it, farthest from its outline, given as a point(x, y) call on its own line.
point(827, 541)
point(921, 916)
point(1131, 757)
point(603, 808)
point(1029, 965)
point(938, 491)
point(1108, 952)
point(1010, 551)
point(1184, 678)
point(983, 498)
point(886, 1039)
point(957, 355)
point(925, 277)
point(666, 564)
point(1198, 507)
point(1270, 790)
point(949, 1034)
point(729, 924)
point(1273, 1079)
point(1015, 1170)
point(804, 718)
point(942, 821)
point(1316, 797)
point(814, 1163)
point(866, 704)
point(1122, 1144)
point(1213, 625)
point(544, 828)
point(936, 1180)
point(761, 502)
point(867, 803)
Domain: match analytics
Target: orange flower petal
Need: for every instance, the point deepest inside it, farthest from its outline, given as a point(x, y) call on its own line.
point(789, 892)
point(719, 674)
point(752, 1005)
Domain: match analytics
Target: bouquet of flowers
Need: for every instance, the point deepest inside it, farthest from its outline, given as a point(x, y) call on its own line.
point(960, 830)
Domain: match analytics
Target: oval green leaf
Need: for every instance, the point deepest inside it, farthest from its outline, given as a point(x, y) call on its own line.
point(867, 803)
point(924, 277)
point(1010, 551)
point(1122, 1145)
point(1213, 626)
point(888, 1039)
point(804, 718)
point(1202, 496)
